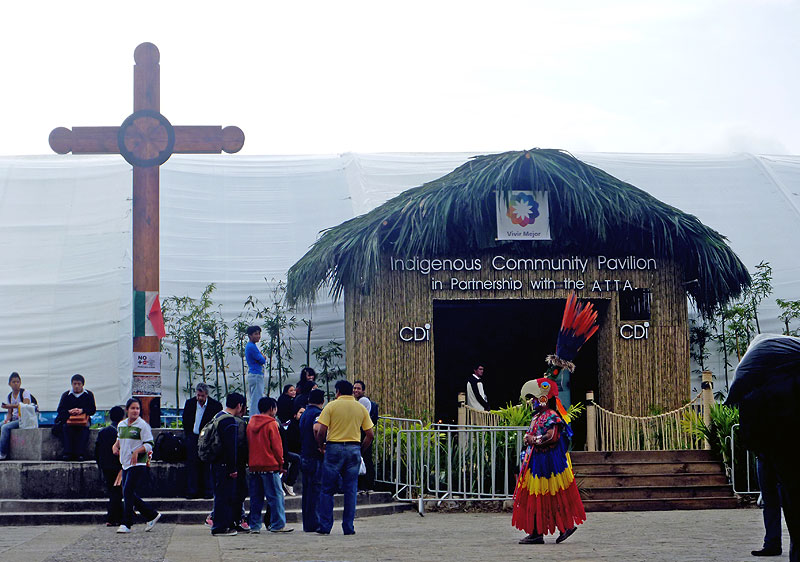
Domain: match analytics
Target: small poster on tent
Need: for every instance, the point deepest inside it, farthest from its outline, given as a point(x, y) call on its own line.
point(526, 216)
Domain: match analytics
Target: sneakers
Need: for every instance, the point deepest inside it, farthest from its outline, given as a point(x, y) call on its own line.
point(282, 530)
point(225, 533)
point(123, 529)
point(152, 523)
point(209, 521)
point(288, 489)
point(244, 526)
point(256, 530)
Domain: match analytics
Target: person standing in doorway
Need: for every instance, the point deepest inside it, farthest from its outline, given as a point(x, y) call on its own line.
point(476, 394)
point(197, 412)
point(255, 367)
point(134, 446)
point(338, 430)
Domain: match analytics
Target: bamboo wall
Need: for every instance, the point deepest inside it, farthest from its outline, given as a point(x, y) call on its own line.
point(633, 375)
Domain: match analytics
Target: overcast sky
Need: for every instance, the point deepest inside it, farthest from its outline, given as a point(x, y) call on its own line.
point(329, 77)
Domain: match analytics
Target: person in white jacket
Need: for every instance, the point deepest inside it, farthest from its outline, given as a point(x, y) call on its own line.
point(134, 445)
point(476, 394)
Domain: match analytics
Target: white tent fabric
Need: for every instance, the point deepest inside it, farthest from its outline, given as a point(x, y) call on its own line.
point(65, 279)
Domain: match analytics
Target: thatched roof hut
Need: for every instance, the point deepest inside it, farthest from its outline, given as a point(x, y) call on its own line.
point(591, 212)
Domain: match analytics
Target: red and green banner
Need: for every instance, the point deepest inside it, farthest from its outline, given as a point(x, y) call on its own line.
point(147, 317)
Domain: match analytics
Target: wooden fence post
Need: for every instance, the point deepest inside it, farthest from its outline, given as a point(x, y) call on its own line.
point(462, 419)
point(708, 400)
point(591, 422)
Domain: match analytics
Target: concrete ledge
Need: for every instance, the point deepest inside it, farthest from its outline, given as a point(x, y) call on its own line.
point(57, 479)
point(41, 445)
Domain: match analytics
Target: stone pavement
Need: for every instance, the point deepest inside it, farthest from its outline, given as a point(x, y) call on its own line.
point(669, 536)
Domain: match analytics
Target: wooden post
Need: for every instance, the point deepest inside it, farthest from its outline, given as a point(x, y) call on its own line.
point(708, 400)
point(462, 419)
point(591, 422)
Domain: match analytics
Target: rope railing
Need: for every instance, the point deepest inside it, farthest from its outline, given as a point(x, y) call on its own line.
point(660, 432)
point(610, 431)
point(481, 418)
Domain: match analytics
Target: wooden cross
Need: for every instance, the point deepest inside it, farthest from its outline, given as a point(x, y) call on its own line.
point(146, 140)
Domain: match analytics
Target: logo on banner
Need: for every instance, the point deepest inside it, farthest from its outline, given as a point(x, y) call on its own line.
point(525, 215)
point(523, 209)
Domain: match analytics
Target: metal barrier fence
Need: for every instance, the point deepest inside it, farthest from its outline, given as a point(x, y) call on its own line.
point(447, 462)
point(744, 476)
point(384, 450)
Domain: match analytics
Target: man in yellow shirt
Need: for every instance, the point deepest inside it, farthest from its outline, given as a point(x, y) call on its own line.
point(338, 433)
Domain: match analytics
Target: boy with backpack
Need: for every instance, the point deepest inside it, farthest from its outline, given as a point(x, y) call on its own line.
point(17, 396)
point(109, 465)
point(223, 442)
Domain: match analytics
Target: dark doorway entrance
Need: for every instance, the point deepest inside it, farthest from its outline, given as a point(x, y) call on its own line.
point(511, 339)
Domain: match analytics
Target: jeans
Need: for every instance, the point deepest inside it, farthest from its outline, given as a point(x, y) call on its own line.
point(292, 465)
point(266, 484)
point(311, 469)
point(768, 482)
point(340, 460)
point(198, 473)
point(131, 479)
point(229, 494)
point(5, 437)
point(255, 390)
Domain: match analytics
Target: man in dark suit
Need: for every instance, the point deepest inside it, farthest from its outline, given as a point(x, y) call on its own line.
point(197, 412)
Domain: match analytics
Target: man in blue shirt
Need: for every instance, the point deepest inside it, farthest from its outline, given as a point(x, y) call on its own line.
point(255, 366)
point(311, 460)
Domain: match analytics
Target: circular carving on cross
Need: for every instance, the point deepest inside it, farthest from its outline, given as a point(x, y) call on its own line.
point(146, 138)
point(232, 139)
point(61, 140)
point(146, 53)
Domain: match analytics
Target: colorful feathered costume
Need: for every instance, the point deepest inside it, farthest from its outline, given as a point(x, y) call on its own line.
point(546, 497)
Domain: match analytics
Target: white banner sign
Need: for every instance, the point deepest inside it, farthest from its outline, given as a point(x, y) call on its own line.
point(526, 216)
point(146, 362)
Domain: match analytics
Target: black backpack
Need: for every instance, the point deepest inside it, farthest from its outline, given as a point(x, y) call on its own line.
point(169, 448)
point(21, 392)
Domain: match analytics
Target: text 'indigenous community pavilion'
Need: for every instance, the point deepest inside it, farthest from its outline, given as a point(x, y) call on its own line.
point(433, 282)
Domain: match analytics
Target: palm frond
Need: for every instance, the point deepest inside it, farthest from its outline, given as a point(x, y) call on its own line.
point(591, 212)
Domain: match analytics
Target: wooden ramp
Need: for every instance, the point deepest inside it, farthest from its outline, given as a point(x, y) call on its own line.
point(652, 481)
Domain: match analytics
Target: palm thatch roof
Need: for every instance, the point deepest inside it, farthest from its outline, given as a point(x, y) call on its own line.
point(591, 212)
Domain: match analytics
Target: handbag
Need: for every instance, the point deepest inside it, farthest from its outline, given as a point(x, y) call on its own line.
point(78, 419)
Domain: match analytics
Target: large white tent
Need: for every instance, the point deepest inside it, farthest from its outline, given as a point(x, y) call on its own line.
point(65, 255)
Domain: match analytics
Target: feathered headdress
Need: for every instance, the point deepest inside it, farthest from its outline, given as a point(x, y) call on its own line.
point(578, 324)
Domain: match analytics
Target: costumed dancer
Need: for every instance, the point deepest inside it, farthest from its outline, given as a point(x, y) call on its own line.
point(546, 497)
